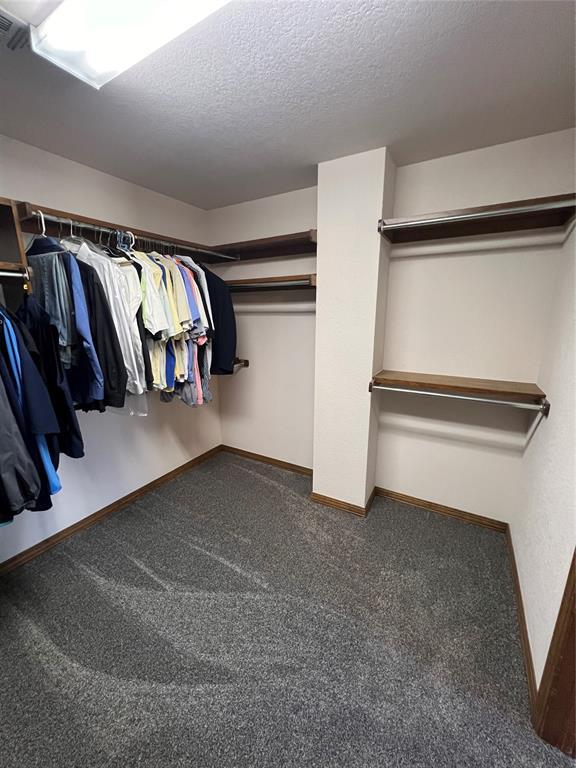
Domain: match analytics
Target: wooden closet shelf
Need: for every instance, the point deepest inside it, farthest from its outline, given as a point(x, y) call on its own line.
point(505, 392)
point(31, 223)
point(266, 247)
point(272, 247)
point(13, 266)
point(276, 283)
point(537, 213)
point(12, 247)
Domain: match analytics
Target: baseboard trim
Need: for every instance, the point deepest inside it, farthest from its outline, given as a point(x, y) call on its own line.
point(43, 546)
point(554, 716)
point(552, 702)
point(441, 509)
point(268, 460)
point(522, 625)
point(345, 506)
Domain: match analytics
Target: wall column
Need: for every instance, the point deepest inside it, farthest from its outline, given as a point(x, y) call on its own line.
point(352, 266)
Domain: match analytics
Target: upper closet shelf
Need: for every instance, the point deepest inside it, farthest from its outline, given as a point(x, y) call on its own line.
point(512, 393)
point(41, 220)
point(280, 283)
point(272, 247)
point(56, 222)
point(12, 249)
point(538, 213)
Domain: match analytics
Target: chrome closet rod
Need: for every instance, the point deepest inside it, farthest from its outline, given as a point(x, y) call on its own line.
point(543, 407)
point(9, 273)
point(109, 230)
point(558, 204)
point(255, 286)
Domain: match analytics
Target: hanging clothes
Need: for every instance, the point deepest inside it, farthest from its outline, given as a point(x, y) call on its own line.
point(123, 307)
point(53, 292)
point(31, 406)
point(224, 339)
point(47, 360)
point(19, 480)
point(80, 360)
point(158, 318)
point(175, 368)
point(188, 281)
point(153, 306)
point(86, 377)
point(182, 317)
point(100, 325)
point(105, 337)
point(148, 375)
point(208, 319)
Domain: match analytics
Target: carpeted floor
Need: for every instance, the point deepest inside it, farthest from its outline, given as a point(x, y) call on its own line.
point(225, 620)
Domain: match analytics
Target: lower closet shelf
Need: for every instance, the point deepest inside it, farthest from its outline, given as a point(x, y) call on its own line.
point(516, 394)
point(277, 283)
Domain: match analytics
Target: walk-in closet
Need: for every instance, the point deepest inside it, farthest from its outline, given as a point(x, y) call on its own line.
point(287, 383)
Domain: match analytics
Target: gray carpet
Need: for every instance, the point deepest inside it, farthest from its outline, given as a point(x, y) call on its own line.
point(225, 620)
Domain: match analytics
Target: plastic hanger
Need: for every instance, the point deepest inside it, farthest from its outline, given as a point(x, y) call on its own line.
point(42, 223)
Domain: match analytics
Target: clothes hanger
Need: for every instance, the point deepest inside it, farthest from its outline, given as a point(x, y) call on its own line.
point(42, 222)
point(153, 252)
point(42, 233)
point(122, 254)
point(75, 238)
point(108, 249)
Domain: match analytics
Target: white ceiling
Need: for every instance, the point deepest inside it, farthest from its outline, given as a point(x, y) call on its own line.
point(248, 102)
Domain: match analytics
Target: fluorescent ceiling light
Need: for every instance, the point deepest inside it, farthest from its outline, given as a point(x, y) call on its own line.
point(96, 40)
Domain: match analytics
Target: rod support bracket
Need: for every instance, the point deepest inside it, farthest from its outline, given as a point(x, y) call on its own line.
point(546, 408)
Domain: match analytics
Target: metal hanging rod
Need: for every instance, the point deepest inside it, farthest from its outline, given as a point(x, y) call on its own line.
point(71, 222)
point(253, 287)
point(290, 282)
point(475, 216)
point(543, 407)
point(23, 275)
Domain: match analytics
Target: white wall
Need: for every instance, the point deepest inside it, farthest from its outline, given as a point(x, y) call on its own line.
point(517, 170)
point(122, 452)
point(268, 407)
point(351, 196)
point(266, 217)
point(495, 307)
point(472, 308)
point(477, 314)
point(544, 528)
point(35, 176)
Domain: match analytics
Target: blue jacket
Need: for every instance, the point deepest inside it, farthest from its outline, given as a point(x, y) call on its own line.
point(84, 372)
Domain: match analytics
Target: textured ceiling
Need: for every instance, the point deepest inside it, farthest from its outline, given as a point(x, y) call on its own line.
point(248, 102)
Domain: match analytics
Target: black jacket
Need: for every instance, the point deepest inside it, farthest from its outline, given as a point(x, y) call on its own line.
point(224, 339)
point(19, 481)
point(105, 337)
point(35, 415)
point(46, 355)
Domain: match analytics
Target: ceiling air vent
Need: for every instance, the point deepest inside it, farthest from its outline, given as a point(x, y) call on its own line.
point(13, 32)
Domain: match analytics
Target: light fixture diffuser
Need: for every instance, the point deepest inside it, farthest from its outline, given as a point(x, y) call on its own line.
point(96, 40)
